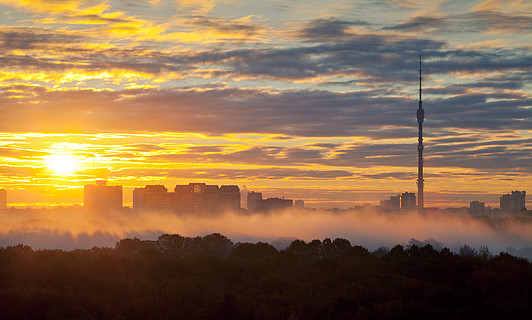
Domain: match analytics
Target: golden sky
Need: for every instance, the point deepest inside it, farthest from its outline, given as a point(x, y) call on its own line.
point(309, 100)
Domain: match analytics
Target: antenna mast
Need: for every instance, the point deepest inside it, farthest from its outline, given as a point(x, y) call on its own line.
point(420, 118)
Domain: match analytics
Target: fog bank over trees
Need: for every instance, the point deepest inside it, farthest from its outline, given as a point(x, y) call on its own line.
point(70, 229)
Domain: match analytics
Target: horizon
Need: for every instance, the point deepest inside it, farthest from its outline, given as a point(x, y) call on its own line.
point(243, 194)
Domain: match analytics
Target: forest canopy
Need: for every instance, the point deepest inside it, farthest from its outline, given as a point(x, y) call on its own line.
point(210, 277)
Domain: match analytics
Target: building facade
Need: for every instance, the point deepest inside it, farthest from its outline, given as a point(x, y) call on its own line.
point(257, 204)
point(101, 197)
point(408, 201)
point(477, 208)
point(229, 198)
point(513, 202)
point(152, 197)
point(393, 204)
point(191, 198)
point(254, 200)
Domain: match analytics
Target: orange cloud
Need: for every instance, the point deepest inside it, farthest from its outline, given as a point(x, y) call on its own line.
point(200, 6)
point(46, 6)
point(516, 6)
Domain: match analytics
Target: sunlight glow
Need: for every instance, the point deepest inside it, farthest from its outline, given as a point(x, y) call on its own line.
point(62, 164)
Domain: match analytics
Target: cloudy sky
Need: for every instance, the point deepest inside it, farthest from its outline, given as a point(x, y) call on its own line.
point(312, 100)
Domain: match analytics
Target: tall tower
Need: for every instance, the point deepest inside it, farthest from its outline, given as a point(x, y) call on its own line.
point(420, 118)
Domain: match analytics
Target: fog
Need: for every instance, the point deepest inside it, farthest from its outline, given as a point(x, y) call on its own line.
point(79, 229)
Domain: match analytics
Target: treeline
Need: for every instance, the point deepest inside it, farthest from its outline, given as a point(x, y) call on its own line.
point(209, 277)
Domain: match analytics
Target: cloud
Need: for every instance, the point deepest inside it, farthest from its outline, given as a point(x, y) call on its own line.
point(47, 6)
point(235, 27)
point(199, 6)
point(470, 22)
point(24, 38)
point(328, 29)
point(423, 24)
point(264, 173)
point(226, 110)
point(501, 5)
point(500, 22)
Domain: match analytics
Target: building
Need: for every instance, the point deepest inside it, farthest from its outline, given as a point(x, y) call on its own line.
point(204, 198)
point(299, 204)
point(152, 197)
point(190, 198)
point(276, 204)
point(408, 201)
point(101, 197)
point(513, 202)
point(257, 204)
point(254, 200)
point(393, 204)
point(3, 199)
point(477, 208)
point(229, 198)
point(184, 198)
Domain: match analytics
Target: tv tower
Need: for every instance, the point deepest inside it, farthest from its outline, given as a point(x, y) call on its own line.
point(420, 118)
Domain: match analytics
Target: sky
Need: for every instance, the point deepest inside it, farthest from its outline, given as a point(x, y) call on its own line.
point(310, 100)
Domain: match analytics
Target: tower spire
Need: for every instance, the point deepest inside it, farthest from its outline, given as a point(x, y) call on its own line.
point(420, 118)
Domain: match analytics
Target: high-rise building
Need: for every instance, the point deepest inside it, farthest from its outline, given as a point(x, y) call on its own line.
point(257, 204)
point(477, 208)
point(254, 201)
point(184, 198)
point(101, 197)
point(152, 197)
point(204, 198)
point(408, 201)
point(272, 204)
point(3, 199)
point(229, 198)
point(513, 202)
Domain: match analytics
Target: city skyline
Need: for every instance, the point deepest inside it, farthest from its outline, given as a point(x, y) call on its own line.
point(314, 101)
point(202, 198)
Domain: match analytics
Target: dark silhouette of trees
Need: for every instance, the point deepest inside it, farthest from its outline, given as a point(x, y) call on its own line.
point(176, 277)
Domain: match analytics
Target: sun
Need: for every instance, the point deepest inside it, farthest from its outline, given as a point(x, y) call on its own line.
point(63, 164)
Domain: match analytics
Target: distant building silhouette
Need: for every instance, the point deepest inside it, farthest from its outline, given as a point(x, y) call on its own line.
point(184, 198)
point(408, 201)
point(229, 198)
point(477, 208)
point(299, 204)
point(194, 197)
point(394, 203)
point(254, 200)
point(3, 199)
point(272, 204)
point(154, 197)
point(257, 204)
point(100, 197)
point(513, 202)
point(206, 197)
